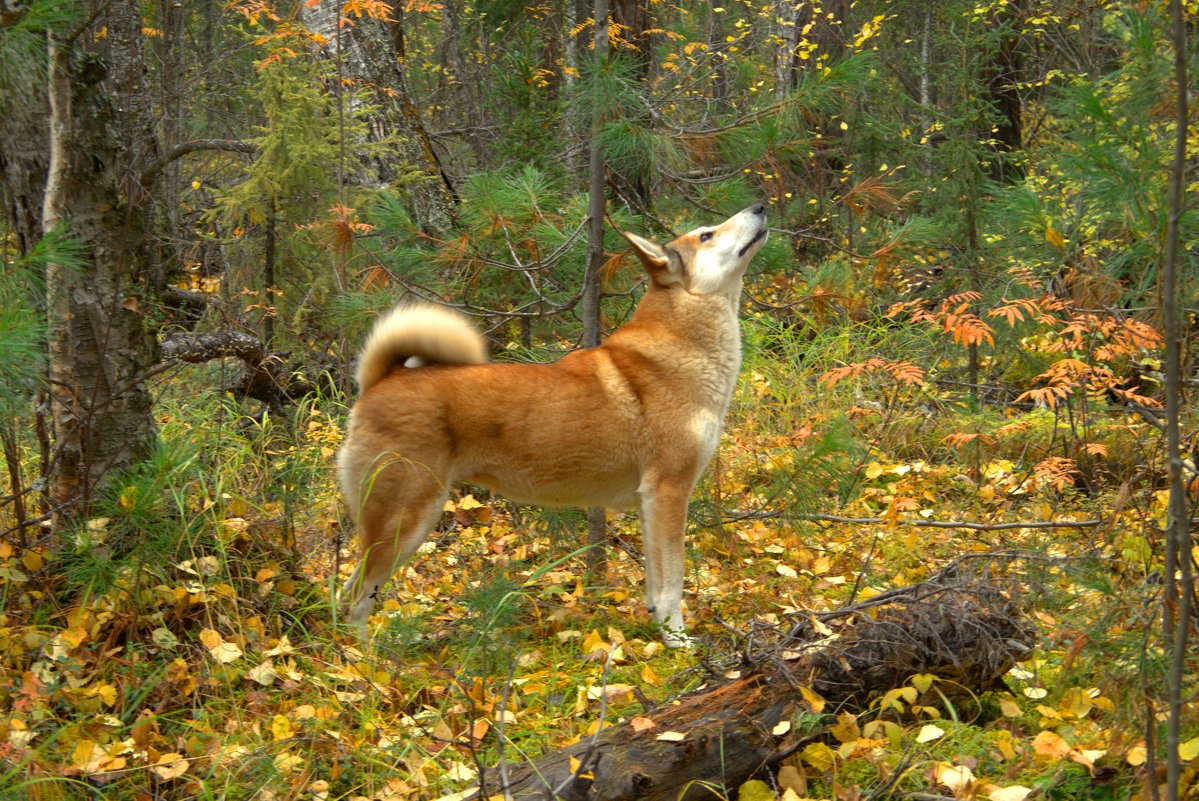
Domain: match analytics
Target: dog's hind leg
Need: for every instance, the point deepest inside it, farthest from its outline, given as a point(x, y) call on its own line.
point(663, 524)
point(389, 533)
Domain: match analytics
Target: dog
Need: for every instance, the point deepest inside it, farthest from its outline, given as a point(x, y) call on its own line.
point(634, 421)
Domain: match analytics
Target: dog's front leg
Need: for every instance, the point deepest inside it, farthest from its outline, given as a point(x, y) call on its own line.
point(663, 523)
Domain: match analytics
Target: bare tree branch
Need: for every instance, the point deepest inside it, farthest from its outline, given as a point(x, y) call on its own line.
point(183, 148)
point(770, 515)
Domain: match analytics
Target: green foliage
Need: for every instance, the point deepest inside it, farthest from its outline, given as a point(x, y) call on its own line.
point(295, 171)
point(608, 88)
point(23, 61)
point(138, 527)
point(22, 324)
point(1104, 173)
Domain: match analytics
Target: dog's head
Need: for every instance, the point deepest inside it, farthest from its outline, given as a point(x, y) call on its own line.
point(708, 260)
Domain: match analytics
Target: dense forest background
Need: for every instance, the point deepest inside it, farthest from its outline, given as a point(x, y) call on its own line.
point(967, 342)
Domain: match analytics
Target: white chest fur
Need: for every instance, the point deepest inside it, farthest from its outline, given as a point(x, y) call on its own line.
point(719, 380)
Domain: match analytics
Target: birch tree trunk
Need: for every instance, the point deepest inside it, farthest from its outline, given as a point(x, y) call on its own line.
point(100, 137)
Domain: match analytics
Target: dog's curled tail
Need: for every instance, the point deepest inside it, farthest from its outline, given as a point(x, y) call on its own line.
point(429, 334)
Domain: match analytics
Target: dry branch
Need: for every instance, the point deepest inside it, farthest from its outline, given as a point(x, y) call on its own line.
point(919, 522)
point(266, 376)
point(960, 628)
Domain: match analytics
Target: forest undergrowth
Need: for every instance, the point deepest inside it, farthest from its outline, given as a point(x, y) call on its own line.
point(205, 662)
point(954, 353)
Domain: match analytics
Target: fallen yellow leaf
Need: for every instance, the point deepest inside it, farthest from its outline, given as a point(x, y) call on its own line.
point(1189, 750)
point(1050, 745)
point(170, 766)
point(1014, 792)
point(929, 733)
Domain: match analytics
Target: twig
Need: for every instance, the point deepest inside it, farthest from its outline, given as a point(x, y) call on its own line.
point(897, 773)
point(78, 30)
point(590, 752)
point(503, 766)
point(772, 515)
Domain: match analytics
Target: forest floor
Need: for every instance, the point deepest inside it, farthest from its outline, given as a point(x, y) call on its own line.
point(182, 645)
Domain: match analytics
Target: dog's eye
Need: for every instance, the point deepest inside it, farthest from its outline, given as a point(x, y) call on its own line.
point(705, 236)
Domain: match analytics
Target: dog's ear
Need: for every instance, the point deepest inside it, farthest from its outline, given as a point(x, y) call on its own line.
point(662, 264)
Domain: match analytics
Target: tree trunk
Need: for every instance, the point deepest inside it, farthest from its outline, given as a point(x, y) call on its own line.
point(596, 204)
point(370, 51)
point(596, 199)
point(964, 631)
point(786, 18)
point(1177, 613)
point(100, 137)
point(1004, 94)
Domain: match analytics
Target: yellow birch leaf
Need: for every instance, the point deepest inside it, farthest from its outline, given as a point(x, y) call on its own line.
point(929, 733)
point(281, 728)
point(81, 757)
point(128, 499)
point(956, 777)
point(820, 756)
point(107, 693)
point(1189, 750)
point(1087, 756)
point(1050, 745)
point(33, 561)
point(1077, 702)
point(226, 652)
point(264, 673)
point(575, 764)
point(170, 766)
point(846, 729)
point(815, 702)
point(593, 643)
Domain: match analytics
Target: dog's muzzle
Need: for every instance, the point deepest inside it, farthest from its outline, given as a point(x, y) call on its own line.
point(758, 237)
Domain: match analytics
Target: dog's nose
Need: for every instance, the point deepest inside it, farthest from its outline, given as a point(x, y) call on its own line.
point(757, 208)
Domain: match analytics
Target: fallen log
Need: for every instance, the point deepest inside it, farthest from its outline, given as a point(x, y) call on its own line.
point(964, 630)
